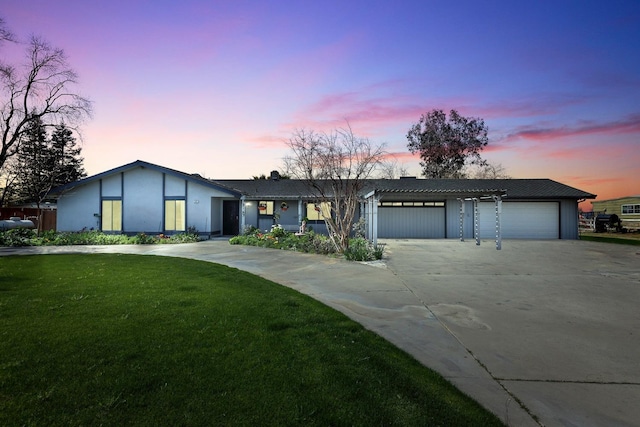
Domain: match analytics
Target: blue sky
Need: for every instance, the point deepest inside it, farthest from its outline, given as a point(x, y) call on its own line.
point(216, 88)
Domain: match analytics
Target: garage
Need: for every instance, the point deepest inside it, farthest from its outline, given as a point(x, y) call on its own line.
point(421, 220)
point(521, 220)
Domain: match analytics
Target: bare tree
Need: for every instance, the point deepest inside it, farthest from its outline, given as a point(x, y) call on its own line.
point(8, 180)
point(5, 34)
point(42, 88)
point(488, 171)
point(391, 169)
point(335, 165)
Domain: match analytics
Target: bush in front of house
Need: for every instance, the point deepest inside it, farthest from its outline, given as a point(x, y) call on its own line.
point(17, 237)
point(360, 249)
point(26, 237)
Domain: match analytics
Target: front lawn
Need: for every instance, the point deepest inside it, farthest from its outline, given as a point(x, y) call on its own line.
point(141, 340)
point(619, 238)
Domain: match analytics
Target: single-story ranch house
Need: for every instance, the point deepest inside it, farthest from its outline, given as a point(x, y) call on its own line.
point(144, 197)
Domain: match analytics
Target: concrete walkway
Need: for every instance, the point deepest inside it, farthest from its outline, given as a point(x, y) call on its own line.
point(540, 333)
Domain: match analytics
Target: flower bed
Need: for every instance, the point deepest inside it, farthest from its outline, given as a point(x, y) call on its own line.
point(27, 237)
point(278, 238)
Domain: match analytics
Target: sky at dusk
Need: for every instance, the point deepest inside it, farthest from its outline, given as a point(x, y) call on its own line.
point(217, 87)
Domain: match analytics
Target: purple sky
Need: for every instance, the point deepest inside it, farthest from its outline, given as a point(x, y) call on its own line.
point(215, 87)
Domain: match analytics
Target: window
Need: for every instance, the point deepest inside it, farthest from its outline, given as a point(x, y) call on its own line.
point(318, 211)
point(411, 204)
point(630, 209)
point(111, 215)
point(265, 207)
point(174, 215)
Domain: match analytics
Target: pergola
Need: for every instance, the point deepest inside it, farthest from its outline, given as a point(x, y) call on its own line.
point(375, 196)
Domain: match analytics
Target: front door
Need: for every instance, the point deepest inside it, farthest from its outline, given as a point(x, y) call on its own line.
point(230, 217)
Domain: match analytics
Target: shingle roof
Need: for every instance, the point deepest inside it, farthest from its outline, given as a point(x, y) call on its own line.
point(267, 188)
point(293, 188)
point(512, 188)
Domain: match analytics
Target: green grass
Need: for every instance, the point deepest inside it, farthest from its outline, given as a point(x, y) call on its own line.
point(625, 239)
point(140, 340)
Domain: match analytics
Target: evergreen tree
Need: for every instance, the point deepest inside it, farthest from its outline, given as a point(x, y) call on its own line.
point(66, 156)
point(32, 165)
point(42, 163)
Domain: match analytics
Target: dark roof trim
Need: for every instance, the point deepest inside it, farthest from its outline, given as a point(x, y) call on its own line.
point(197, 179)
point(514, 189)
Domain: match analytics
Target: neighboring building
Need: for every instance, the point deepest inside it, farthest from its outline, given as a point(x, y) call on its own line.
point(143, 197)
point(626, 208)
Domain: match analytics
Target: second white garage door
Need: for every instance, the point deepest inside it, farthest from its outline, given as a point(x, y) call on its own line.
point(521, 220)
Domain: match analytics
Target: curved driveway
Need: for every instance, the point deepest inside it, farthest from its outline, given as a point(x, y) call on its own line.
point(540, 333)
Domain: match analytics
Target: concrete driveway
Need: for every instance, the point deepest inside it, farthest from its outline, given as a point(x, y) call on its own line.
point(555, 323)
point(540, 333)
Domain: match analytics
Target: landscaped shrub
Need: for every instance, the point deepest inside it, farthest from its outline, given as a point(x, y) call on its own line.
point(26, 237)
point(278, 238)
point(17, 237)
point(143, 239)
point(361, 249)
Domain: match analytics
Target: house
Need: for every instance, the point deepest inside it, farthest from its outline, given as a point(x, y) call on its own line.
point(143, 197)
point(626, 208)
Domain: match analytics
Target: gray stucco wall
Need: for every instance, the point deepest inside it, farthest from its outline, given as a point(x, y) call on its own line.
point(143, 192)
point(142, 201)
point(77, 208)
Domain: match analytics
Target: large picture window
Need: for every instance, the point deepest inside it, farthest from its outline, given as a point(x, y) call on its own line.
point(318, 211)
point(174, 215)
point(111, 215)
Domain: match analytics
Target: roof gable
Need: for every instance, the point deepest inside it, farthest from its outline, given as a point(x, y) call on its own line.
point(146, 165)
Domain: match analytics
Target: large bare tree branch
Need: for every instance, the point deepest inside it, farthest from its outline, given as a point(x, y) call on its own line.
point(5, 34)
point(44, 90)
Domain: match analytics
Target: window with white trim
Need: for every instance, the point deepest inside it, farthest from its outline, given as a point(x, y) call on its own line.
point(630, 209)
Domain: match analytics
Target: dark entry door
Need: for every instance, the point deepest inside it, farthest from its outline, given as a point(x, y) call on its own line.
point(230, 217)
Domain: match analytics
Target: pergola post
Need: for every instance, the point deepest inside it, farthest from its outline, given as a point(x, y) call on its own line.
point(243, 215)
point(374, 220)
point(476, 221)
point(498, 201)
point(461, 219)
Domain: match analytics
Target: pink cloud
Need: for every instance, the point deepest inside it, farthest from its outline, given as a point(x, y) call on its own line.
point(265, 141)
point(401, 156)
point(368, 110)
point(630, 124)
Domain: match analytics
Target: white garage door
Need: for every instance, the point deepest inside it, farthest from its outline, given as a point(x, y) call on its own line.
point(521, 220)
point(409, 222)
